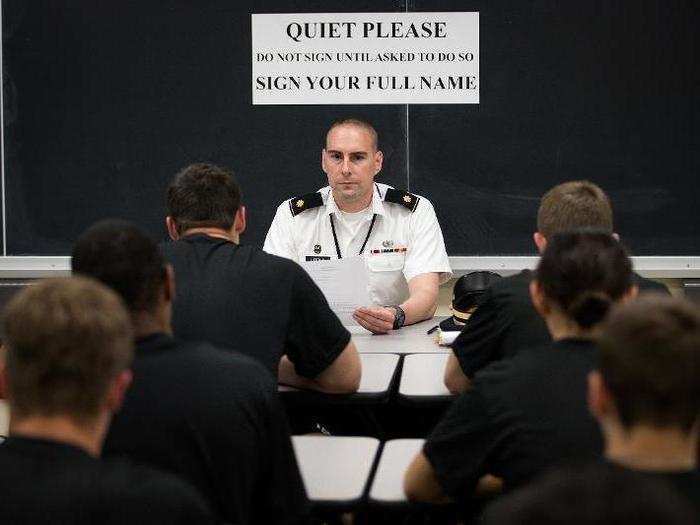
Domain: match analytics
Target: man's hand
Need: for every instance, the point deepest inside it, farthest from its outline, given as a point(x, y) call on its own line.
point(376, 319)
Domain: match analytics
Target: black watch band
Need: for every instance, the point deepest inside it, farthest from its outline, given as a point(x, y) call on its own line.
point(399, 316)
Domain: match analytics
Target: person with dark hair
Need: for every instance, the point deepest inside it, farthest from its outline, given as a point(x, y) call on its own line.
point(646, 391)
point(396, 232)
point(69, 349)
point(528, 413)
point(209, 415)
point(242, 298)
point(506, 321)
point(591, 494)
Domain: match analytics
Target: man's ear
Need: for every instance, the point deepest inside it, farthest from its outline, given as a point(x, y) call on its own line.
point(172, 228)
point(540, 241)
point(378, 161)
point(538, 299)
point(169, 283)
point(116, 393)
point(239, 220)
point(598, 397)
point(323, 161)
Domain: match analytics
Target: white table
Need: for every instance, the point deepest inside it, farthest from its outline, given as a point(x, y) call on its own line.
point(387, 486)
point(377, 373)
point(335, 469)
point(422, 377)
point(411, 339)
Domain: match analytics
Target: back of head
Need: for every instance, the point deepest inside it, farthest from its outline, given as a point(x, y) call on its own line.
point(583, 273)
point(650, 361)
point(573, 206)
point(203, 196)
point(592, 495)
point(67, 339)
point(125, 259)
point(357, 122)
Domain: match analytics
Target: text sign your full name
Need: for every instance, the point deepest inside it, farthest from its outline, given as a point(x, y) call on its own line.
point(365, 58)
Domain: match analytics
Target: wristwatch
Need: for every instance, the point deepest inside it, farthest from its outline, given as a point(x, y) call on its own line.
point(399, 316)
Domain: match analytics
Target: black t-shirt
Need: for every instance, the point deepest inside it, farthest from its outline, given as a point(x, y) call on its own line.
point(686, 483)
point(259, 304)
point(506, 321)
point(521, 416)
point(49, 482)
point(212, 417)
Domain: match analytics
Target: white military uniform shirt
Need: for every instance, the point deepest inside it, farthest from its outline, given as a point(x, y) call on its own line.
point(401, 245)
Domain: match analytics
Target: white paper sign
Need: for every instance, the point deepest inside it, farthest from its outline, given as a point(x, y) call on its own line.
point(365, 58)
point(345, 284)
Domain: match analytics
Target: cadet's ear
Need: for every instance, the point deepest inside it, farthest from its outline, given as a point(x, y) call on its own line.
point(538, 299)
point(631, 293)
point(239, 222)
point(117, 391)
point(540, 241)
point(172, 228)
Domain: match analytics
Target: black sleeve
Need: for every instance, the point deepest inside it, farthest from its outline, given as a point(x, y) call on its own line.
point(283, 498)
point(481, 339)
point(315, 337)
point(460, 446)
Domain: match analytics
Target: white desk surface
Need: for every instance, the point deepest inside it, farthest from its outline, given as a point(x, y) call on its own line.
point(4, 418)
point(397, 454)
point(408, 340)
point(335, 468)
point(423, 376)
point(377, 371)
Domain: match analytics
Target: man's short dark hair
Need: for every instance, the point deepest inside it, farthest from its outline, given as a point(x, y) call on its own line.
point(650, 361)
point(67, 340)
point(354, 121)
point(572, 206)
point(118, 254)
point(203, 196)
point(595, 494)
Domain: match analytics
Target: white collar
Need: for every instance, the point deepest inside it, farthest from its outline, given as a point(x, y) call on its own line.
point(377, 201)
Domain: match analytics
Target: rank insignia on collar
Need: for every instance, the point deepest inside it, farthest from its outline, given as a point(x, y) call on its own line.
point(305, 202)
point(403, 198)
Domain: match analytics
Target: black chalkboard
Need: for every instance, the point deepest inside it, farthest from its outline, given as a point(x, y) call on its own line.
point(105, 100)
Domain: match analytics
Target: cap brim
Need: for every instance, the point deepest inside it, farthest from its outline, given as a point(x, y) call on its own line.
point(449, 325)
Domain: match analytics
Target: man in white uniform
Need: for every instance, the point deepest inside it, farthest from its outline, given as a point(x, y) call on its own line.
point(396, 232)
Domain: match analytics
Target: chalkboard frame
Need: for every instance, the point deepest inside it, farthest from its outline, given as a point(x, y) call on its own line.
point(45, 266)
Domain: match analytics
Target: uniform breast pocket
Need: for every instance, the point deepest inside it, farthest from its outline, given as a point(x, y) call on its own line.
point(390, 262)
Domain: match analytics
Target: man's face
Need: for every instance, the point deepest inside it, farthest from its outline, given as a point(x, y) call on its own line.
point(351, 160)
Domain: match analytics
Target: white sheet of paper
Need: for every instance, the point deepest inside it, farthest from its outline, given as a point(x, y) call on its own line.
point(345, 284)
